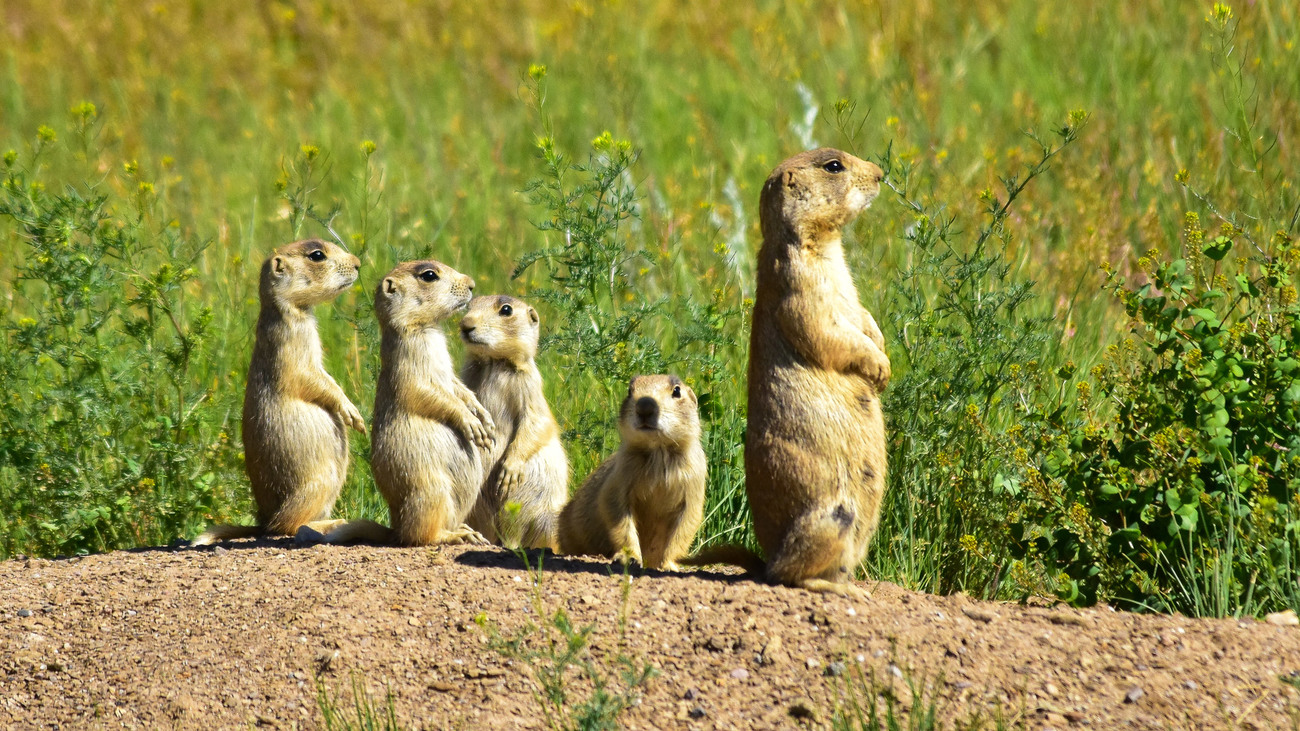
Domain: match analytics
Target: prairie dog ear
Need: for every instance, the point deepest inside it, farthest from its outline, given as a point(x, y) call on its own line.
point(532, 315)
point(789, 178)
point(278, 265)
point(390, 286)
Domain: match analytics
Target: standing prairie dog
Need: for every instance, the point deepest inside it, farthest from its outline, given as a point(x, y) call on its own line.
point(295, 416)
point(527, 470)
point(815, 444)
point(648, 498)
point(429, 433)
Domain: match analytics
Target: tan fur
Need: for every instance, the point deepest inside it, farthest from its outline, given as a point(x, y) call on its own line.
point(815, 445)
point(295, 415)
point(527, 470)
point(648, 498)
point(429, 432)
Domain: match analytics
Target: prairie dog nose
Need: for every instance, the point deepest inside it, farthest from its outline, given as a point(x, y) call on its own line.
point(647, 408)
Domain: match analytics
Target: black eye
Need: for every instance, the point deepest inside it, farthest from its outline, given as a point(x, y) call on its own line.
point(429, 275)
point(316, 255)
point(834, 166)
point(505, 311)
point(677, 391)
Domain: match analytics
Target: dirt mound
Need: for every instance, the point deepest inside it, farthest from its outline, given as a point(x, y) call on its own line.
point(231, 637)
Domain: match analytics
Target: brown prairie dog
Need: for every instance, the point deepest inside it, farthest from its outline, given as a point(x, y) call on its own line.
point(295, 415)
point(648, 498)
point(815, 444)
point(429, 433)
point(527, 470)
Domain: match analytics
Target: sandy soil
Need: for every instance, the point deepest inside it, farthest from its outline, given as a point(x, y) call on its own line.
point(233, 637)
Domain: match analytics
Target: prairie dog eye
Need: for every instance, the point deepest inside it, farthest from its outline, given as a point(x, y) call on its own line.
point(677, 391)
point(316, 255)
point(506, 311)
point(429, 275)
point(834, 166)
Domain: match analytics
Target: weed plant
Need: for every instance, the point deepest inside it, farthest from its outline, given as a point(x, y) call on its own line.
point(362, 716)
point(574, 689)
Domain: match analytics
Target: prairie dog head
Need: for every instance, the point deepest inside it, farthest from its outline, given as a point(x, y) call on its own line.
point(307, 273)
point(817, 193)
point(499, 327)
point(418, 295)
point(659, 411)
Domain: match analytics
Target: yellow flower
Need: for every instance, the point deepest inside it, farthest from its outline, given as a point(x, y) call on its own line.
point(46, 134)
point(368, 147)
point(310, 152)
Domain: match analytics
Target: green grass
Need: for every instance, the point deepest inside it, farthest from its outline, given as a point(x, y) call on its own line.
point(249, 129)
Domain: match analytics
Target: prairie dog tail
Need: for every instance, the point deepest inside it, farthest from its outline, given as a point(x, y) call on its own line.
point(225, 532)
point(360, 530)
point(730, 554)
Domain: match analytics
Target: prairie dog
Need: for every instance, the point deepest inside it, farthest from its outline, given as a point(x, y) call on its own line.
point(648, 498)
point(295, 415)
point(815, 444)
point(429, 433)
point(527, 466)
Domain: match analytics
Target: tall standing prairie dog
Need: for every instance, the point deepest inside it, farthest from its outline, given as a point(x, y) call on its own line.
point(527, 466)
point(429, 433)
point(295, 415)
point(648, 498)
point(815, 444)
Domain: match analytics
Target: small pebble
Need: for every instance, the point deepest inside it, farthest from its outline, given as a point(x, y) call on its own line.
point(739, 673)
point(698, 712)
point(812, 662)
point(691, 695)
point(1133, 695)
point(835, 669)
point(24, 612)
point(220, 551)
point(895, 671)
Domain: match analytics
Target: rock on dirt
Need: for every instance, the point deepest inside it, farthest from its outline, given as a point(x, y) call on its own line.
point(187, 638)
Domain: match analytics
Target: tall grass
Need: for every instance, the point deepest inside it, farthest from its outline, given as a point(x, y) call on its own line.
point(432, 130)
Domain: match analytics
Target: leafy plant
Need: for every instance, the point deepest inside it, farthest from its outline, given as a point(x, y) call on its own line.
point(1174, 482)
point(966, 348)
point(107, 438)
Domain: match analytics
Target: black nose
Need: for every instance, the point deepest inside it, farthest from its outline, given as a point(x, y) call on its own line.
point(647, 407)
point(467, 329)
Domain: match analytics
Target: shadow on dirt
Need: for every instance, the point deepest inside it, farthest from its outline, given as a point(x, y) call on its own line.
point(500, 558)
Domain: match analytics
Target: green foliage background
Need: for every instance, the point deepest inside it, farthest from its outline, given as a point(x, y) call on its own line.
point(161, 149)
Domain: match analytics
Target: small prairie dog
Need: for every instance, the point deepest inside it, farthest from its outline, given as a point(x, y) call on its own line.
point(648, 498)
point(815, 444)
point(429, 433)
point(295, 415)
point(527, 470)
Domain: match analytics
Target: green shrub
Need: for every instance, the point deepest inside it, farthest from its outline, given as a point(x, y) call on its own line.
point(966, 343)
point(1176, 485)
point(1171, 480)
point(107, 438)
point(611, 315)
